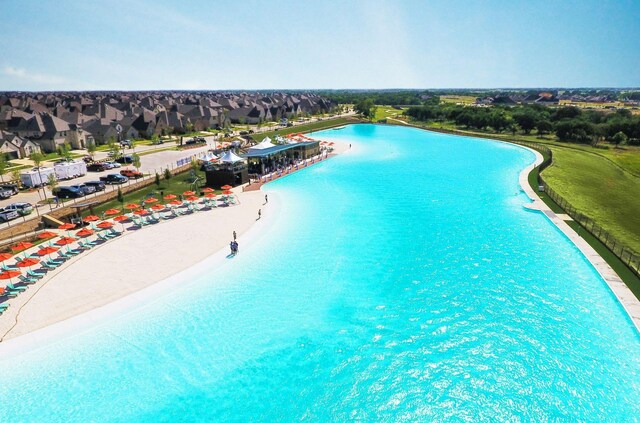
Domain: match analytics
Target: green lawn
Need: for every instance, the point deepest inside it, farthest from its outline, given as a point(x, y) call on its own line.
point(600, 190)
point(307, 127)
point(386, 112)
point(176, 185)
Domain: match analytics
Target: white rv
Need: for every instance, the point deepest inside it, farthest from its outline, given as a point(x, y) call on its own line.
point(36, 177)
point(70, 169)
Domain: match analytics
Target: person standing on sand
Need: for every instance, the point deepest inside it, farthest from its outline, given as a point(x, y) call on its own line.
point(234, 235)
point(259, 213)
point(266, 199)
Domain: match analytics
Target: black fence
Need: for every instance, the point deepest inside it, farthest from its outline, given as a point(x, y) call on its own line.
point(617, 247)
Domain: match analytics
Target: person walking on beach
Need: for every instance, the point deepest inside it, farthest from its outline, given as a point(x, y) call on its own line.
point(259, 213)
point(231, 247)
point(234, 235)
point(266, 199)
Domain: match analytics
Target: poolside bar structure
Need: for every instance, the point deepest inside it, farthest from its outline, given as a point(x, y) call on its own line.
point(231, 169)
point(265, 160)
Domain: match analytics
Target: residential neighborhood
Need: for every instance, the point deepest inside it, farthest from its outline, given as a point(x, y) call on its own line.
point(44, 121)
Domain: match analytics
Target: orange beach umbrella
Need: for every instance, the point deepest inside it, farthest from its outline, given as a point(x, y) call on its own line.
point(188, 193)
point(121, 218)
point(28, 262)
point(47, 235)
point(84, 232)
point(5, 256)
point(66, 226)
point(169, 197)
point(132, 206)
point(141, 212)
point(210, 195)
point(227, 192)
point(157, 207)
point(192, 198)
point(208, 190)
point(111, 212)
point(176, 203)
point(66, 240)
point(47, 250)
point(22, 246)
point(104, 225)
point(91, 218)
point(151, 200)
point(8, 274)
point(226, 187)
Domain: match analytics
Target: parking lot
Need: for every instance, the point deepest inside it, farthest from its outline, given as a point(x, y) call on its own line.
point(150, 163)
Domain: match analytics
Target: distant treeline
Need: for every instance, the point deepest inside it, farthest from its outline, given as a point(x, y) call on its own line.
point(388, 98)
point(410, 97)
point(568, 123)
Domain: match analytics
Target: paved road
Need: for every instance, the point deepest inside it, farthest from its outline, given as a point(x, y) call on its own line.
point(149, 164)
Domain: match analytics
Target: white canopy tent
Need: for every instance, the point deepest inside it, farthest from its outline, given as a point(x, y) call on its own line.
point(265, 143)
point(230, 157)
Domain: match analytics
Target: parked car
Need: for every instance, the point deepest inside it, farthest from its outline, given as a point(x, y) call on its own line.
point(11, 187)
point(8, 214)
point(125, 159)
point(114, 178)
point(98, 185)
point(5, 193)
point(87, 159)
point(126, 143)
point(23, 209)
point(96, 167)
point(130, 173)
point(69, 192)
point(112, 165)
point(87, 189)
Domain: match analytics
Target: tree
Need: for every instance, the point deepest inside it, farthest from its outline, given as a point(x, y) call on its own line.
point(4, 163)
point(544, 127)
point(120, 197)
point(167, 174)
point(157, 179)
point(526, 120)
point(64, 150)
point(52, 183)
point(619, 138)
point(15, 176)
point(37, 158)
point(114, 148)
point(91, 147)
point(366, 108)
point(135, 161)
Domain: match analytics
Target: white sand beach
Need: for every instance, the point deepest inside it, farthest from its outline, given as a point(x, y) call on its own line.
point(134, 261)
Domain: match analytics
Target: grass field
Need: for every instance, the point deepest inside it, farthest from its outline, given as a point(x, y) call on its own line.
point(307, 127)
point(176, 185)
point(458, 99)
point(386, 112)
point(600, 190)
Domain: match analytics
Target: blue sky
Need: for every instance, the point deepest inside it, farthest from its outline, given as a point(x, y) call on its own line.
point(139, 45)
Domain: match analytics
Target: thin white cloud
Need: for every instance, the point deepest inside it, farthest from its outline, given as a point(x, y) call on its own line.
point(26, 75)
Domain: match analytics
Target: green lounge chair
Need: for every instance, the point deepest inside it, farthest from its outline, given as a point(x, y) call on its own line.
point(27, 280)
point(12, 287)
point(34, 275)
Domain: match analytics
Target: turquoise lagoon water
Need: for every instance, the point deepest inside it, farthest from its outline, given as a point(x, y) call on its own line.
point(401, 281)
